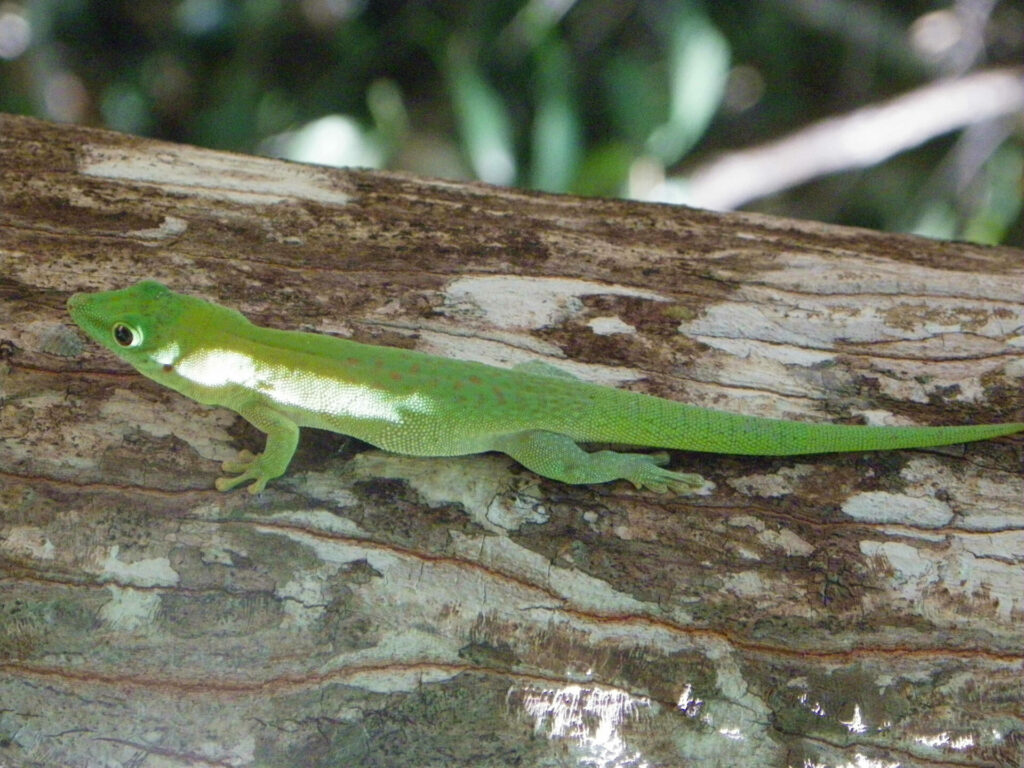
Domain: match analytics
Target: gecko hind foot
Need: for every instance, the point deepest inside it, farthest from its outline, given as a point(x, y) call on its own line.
point(557, 456)
point(654, 478)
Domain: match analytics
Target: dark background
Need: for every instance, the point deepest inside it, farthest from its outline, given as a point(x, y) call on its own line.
point(595, 97)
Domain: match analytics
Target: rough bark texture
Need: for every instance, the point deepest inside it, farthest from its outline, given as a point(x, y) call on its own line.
point(368, 609)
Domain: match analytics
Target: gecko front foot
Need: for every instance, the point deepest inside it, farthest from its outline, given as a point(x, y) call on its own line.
point(250, 465)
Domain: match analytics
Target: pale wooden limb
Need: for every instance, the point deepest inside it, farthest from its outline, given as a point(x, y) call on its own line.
point(377, 610)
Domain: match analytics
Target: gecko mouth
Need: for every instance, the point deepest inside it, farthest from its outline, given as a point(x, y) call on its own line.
point(78, 306)
point(82, 313)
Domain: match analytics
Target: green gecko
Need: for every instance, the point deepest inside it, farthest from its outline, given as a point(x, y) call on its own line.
point(416, 404)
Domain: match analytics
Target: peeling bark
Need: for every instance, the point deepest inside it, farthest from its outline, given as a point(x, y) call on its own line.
point(369, 609)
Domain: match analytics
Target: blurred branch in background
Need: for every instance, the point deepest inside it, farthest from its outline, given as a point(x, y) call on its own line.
point(860, 139)
point(591, 97)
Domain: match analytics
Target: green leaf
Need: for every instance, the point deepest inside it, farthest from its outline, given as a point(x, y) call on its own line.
point(1000, 199)
point(483, 119)
point(604, 171)
point(557, 137)
point(698, 71)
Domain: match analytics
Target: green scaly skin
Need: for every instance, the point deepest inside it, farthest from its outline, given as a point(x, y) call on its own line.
point(421, 405)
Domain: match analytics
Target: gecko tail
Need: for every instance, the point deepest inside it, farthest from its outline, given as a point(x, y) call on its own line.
point(656, 422)
point(772, 437)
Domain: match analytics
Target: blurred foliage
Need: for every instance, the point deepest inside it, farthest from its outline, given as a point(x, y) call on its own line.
point(596, 97)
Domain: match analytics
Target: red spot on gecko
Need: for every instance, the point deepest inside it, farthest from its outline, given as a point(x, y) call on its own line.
point(499, 395)
point(353, 361)
point(475, 380)
point(395, 376)
point(415, 368)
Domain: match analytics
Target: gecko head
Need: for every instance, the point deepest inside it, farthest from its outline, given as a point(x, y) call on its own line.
point(135, 323)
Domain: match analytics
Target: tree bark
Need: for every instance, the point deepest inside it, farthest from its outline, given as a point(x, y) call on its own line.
point(371, 609)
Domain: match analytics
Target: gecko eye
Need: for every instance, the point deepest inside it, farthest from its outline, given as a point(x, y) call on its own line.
point(125, 336)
